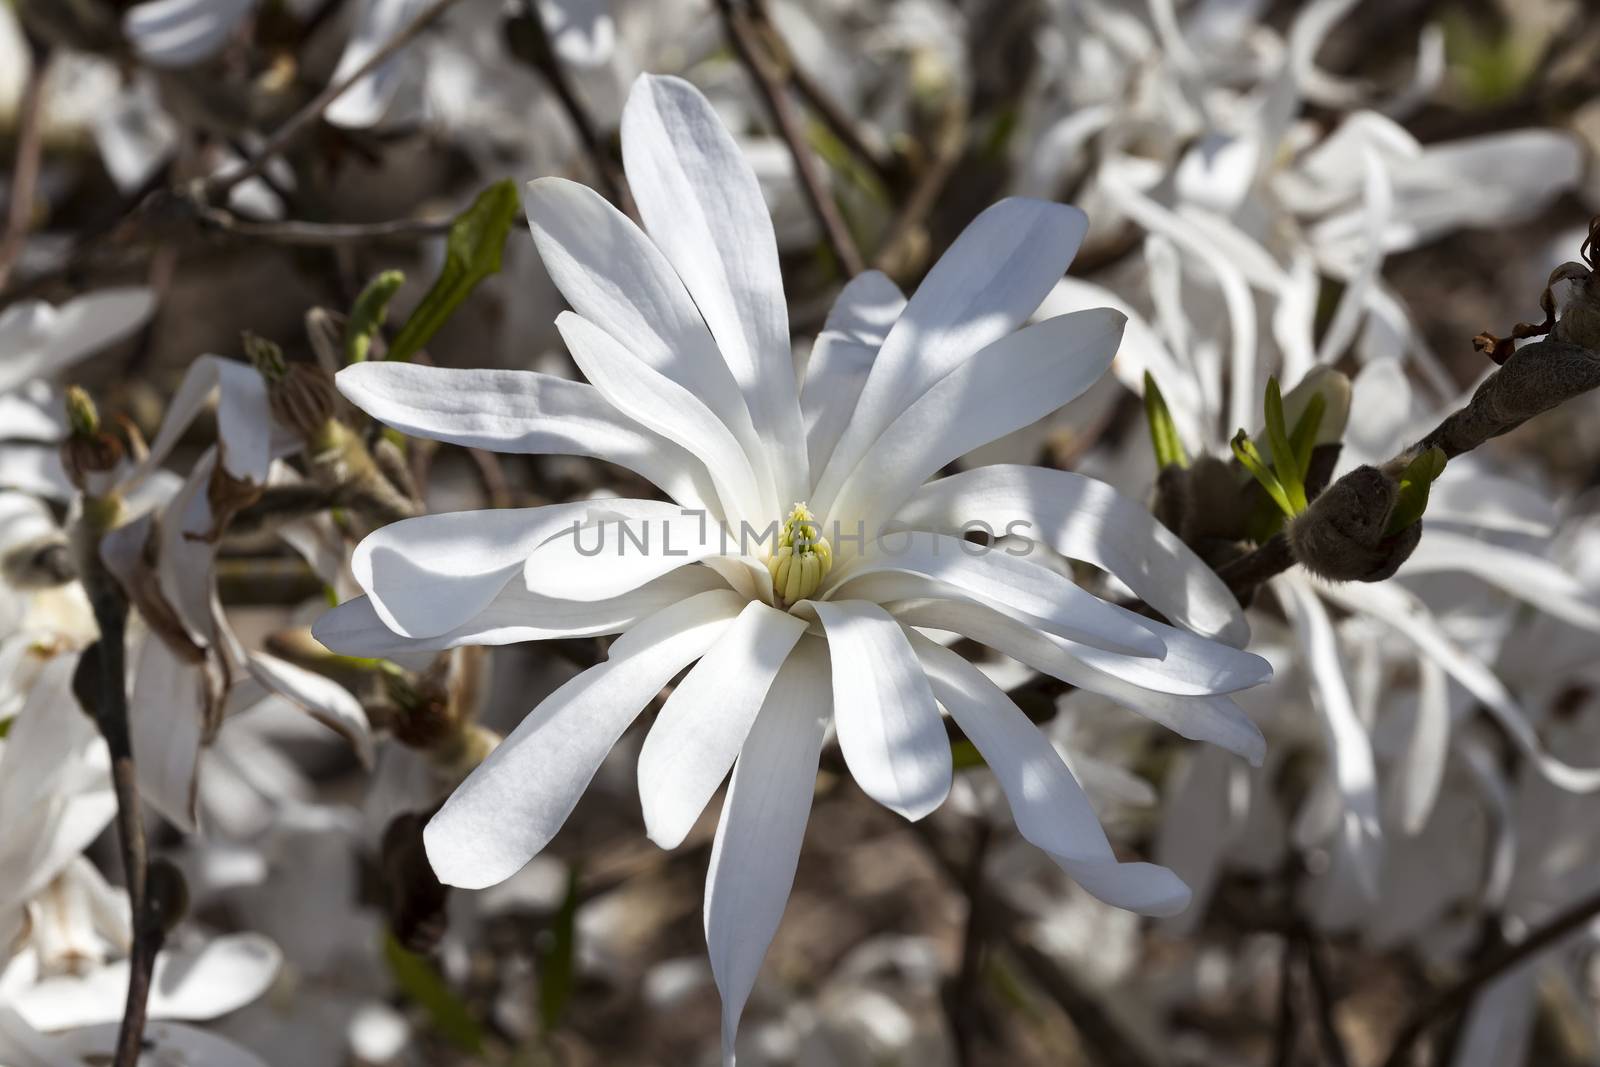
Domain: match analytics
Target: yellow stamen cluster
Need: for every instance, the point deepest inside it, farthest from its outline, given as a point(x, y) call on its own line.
point(802, 559)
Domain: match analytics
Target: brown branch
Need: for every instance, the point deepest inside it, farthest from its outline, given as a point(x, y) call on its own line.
point(1268, 559)
point(961, 999)
point(535, 49)
point(320, 234)
point(771, 82)
point(29, 157)
point(1451, 1000)
point(218, 186)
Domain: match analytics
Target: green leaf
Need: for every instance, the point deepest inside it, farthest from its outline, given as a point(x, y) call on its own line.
point(472, 253)
point(1303, 439)
point(556, 961)
point(423, 984)
point(1284, 462)
point(368, 313)
point(1245, 451)
point(1415, 481)
point(1163, 431)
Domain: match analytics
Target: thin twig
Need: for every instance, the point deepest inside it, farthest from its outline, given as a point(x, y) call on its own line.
point(25, 167)
point(866, 147)
point(219, 185)
point(1285, 1032)
point(770, 82)
point(962, 995)
point(1322, 997)
point(1447, 1002)
point(321, 234)
point(542, 57)
point(1268, 559)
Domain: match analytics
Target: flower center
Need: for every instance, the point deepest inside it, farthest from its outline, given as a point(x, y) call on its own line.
point(802, 558)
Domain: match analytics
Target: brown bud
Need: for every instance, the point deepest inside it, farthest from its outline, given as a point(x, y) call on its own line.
point(1341, 535)
point(303, 399)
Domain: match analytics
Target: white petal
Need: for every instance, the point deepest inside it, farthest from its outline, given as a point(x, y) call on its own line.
point(368, 101)
point(322, 698)
point(698, 733)
point(177, 33)
point(1411, 619)
point(191, 984)
point(992, 576)
point(889, 728)
point(1049, 806)
point(244, 422)
point(1348, 745)
point(521, 412)
point(702, 206)
point(1015, 381)
point(165, 1043)
point(1532, 579)
point(512, 805)
point(354, 628)
point(166, 712)
point(1087, 520)
point(607, 557)
point(985, 284)
point(1203, 717)
point(41, 341)
point(658, 403)
point(757, 846)
point(433, 573)
point(613, 275)
point(1419, 772)
point(842, 357)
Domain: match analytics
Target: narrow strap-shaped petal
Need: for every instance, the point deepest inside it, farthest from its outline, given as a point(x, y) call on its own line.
point(1086, 519)
point(323, 699)
point(658, 403)
point(1050, 808)
point(244, 421)
point(861, 317)
point(1213, 718)
point(514, 802)
point(1419, 770)
point(757, 846)
point(614, 276)
point(1050, 600)
point(430, 574)
point(167, 710)
point(354, 628)
point(889, 727)
point(41, 341)
point(523, 412)
point(697, 736)
point(605, 555)
point(1532, 579)
point(989, 281)
point(702, 206)
point(370, 100)
point(1349, 747)
point(1015, 381)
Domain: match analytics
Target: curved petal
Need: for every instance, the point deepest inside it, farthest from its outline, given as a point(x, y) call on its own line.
point(41, 341)
point(177, 33)
point(697, 736)
point(1419, 771)
point(1050, 600)
point(1532, 579)
point(613, 275)
point(1085, 519)
point(354, 628)
point(168, 707)
point(323, 699)
point(1216, 719)
point(433, 573)
point(660, 404)
point(369, 100)
point(757, 846)
point(521, 412)
point(1349, 747)
point(702, 206)
point(889, 727)
point(510, 807)
point(842, 357)
point(1049, 806)
point(163, 1042)
point(1015, 381)
point(985, 284)
point(192, 984)
point(607, 556)
point(247, 441)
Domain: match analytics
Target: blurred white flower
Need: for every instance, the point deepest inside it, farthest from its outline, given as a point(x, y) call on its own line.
point(684, 337)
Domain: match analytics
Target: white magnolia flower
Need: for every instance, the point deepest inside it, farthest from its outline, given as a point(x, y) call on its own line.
point(684, 336)
point(38, 341)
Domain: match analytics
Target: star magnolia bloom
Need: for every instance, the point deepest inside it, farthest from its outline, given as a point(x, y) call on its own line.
point(684, 337)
